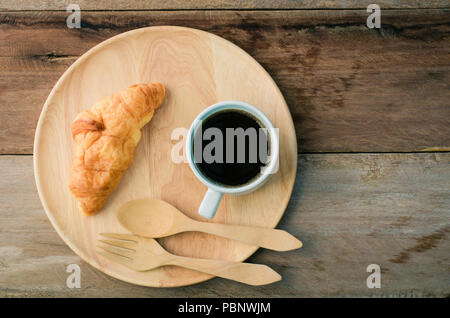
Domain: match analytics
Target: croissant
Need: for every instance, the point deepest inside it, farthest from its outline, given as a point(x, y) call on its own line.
point(105, 138)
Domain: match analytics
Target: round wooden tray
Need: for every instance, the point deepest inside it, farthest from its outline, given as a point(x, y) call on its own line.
point(198, 69)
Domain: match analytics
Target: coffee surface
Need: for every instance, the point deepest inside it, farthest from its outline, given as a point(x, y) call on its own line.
point(241, 161)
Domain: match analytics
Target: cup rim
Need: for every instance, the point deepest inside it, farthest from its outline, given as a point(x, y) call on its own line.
point(243, 106)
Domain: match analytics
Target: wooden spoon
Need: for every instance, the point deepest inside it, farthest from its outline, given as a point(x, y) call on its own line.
point(155, 218)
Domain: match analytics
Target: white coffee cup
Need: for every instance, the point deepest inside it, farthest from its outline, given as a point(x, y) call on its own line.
point(215, 191)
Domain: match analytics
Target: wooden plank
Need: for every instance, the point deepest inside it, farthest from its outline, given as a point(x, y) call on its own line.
point(349, 88)
point(216, 4)
point(350, 210)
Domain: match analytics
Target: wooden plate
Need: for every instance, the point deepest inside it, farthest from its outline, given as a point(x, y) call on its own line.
point(198, 69)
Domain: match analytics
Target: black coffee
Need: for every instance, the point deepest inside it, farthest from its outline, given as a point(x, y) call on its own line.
point(241, 154)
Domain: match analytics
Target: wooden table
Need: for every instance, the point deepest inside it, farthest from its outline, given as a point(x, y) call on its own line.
point(372, 115)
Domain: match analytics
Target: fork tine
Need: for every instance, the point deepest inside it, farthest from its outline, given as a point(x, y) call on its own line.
point(118, 251)
point(124, 244)
point(116, 259)
point(124, 237)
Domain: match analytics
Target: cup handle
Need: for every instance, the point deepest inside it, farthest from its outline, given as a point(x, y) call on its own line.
point(210, 203)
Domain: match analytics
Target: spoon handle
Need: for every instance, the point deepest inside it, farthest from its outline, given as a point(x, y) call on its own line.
point(247, 273)
point(272, 239)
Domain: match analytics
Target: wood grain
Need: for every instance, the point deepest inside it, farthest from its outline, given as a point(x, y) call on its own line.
point(198, 69)
point(352, 210)
point(216, 4)
point(350, 89)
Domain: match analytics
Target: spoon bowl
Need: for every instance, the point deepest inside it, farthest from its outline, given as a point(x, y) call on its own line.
point(151, 218)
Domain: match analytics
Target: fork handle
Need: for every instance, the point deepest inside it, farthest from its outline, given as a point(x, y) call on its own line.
point(247, 273)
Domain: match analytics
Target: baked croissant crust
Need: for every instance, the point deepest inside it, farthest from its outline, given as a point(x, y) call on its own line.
point(105, 138)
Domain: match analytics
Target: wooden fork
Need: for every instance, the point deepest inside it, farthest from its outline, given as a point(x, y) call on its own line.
point(143, 254)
